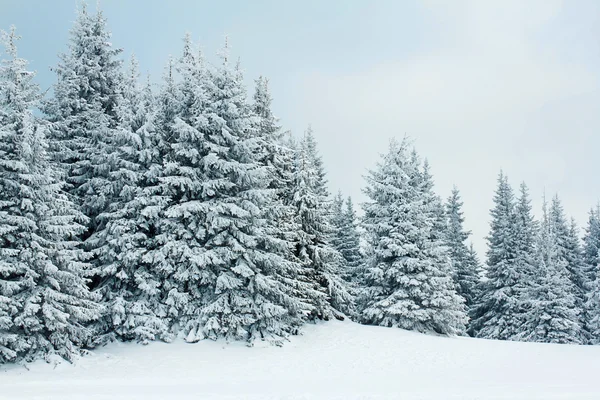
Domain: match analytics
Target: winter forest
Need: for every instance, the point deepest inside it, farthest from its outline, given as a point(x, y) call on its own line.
point(131, 211)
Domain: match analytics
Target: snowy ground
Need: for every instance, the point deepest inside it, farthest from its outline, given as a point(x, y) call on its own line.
point(336, 360)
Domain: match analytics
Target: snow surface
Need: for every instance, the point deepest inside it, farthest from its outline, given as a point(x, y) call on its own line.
point(333, 360)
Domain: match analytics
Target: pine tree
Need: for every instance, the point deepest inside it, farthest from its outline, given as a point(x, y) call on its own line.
point(181, 124)
point(322, 262)
point(44, 300)
point(463, 264)
point(552, 316)
point(84, 116)
point(408, 282)
point(499, 310)
point(277, 154)
point(591, 245)
point(473, 263)
point(525, 230)
point(221, 277)
point(590, 261)
point(130, 287)
point(577, 276)
point(345, 238)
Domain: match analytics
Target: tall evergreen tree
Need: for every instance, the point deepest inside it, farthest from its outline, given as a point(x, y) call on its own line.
point(221, 277)
point(577, 276)
point(474, 264)
point(408, 283)
point(591, 245)
point(130, 287)
point(499, 310)
point(84, 116)
point(181, 124)
point(552, 316)
point(525, 231)
point(590, 262)
point(44, 300)
point(323, 263)
point(345, 238)
point(277, 154)
point(463, 266)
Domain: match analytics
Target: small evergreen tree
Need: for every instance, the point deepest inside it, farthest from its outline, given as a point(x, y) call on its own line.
point(498, 312)
point(345, 238)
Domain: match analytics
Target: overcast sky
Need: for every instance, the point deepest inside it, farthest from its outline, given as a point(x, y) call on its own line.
point(479, 85)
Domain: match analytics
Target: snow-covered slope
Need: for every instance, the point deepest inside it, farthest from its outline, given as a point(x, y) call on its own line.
point(335, 360)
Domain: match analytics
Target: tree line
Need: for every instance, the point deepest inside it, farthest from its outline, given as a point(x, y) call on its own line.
point(135, 214)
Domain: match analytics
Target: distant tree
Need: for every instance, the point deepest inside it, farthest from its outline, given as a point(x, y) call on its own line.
point(500, 307)
point(345, 238)
point(464, 266)
point(552, 316)
point(590, 261)
point(409, 276)
point(313, 248)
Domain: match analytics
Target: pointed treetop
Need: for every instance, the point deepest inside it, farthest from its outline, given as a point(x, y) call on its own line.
point(224, 53)
point(187, 45)
point(9, 40)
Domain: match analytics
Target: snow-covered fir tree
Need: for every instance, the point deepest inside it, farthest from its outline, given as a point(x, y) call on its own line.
point(181, 123)
point(129, 285)
point(591, 245)
point(314, 249)
point(474, 264)
point(345, 237)
point(409, 277)
point(590, 261)
point(577, 275)
point(44, 300)
point(499, 309)
point(221, 277)
point(464, 267)
point(552, 315)
point(525, 231)
point(83, 112)
point(276, 153)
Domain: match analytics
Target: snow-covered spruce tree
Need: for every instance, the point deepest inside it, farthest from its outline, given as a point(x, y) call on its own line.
point(345, 237)
point(323, 263)
point(577, 275)
point(499, 309)
point(474, 264)
point(591, 245)
point(463, 266)
point(221, 279)
point(44, 300)
point(525, 231)
point(552, 315)
point(181, 124)
point(409, 278)
point(591, 260)
point(129, 285)
point(442, 279)
point(83, 113)
point(275, 151)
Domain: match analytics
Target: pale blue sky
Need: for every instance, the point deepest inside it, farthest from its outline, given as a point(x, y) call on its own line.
point(479, 85)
